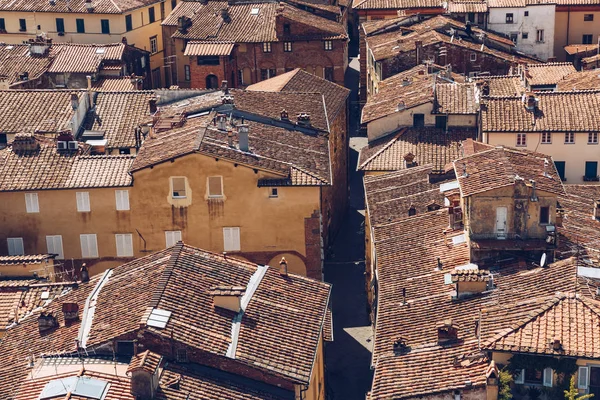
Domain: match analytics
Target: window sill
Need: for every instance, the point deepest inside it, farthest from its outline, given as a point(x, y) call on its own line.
point(118, 209)
point(86, 211)
point(178, 197)
point(216, 197)
point(593, 143)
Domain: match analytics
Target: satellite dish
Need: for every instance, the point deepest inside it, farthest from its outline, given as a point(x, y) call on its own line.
point(543, 260)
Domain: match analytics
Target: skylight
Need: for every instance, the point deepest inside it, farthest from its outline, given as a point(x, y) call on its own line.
point(158, 318)
point(76, 385)
point(100, 50)
point(254, 11)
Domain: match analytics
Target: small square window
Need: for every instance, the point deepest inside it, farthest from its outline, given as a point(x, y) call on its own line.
point(540, 35)
point(273, 192)
point(215, 186)
point(514, 37)
point(525, 35)
point(182, 356)
point(124, 244)
point(172, 237)
point(31, 203)
point(266, 47)
point(509, 18)
point(473, 57)
point(15, 246)
point(105, 26)
point(22, 25)
point(287, 29)
point(328, 45)
point(83, 201)
point(521, 139)
point(231, 239)
point(587, 39)
point(187, 73)
point(588, 17)
point(153, 44)
point(287, 47)
point(526, 13)
point(546, 137)
point(569, 137)
point(178, 188)
point(80, 25)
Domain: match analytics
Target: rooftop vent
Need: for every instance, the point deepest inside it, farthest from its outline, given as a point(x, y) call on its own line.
point(409, 159)
point(225, 15)
point(47, 321)
point(303, 119)
point(447, 332)
point(221, 122)
point(227, 99)
point(85, 275)
point(228, 297)
point(24, 142)
point(145, 374)
point(401, 106)
point(74, 101)
point(531, 102)
point(556, 344)
point(39, 46)
point(401, 346)
point(70, 311)
point(406, 82)
point(284, 115)
point(152, 104)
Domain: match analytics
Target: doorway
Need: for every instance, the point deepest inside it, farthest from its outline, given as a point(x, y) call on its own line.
point(212, 82)
point(501, 215)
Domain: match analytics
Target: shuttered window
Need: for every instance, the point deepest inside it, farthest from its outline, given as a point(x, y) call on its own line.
point(15, 246)
point(582, 378)
point(83, 201)
point(89, 245)
point(231, 239)
point(172, 237)
point(124, 244)
point(178, 187)
point(31, 203)
point(215, 186)
point(548, 377)
point(55, 246)
point(122, 198)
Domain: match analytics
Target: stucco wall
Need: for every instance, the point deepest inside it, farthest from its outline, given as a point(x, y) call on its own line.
point(570, 27)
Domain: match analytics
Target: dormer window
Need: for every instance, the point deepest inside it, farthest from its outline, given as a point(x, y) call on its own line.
point(61, 145)
point(73, 145)
point(286, 29)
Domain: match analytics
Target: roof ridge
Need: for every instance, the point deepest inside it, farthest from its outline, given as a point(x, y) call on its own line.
point(385, 147)
point(166, 275)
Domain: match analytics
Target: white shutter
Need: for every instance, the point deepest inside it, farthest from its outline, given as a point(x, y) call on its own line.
point(15, 246)
point(124, 245)
point(122, 197)
point(172, 237)
point(83, 201)
point(582, 378)
point(520, 377)
point(89, 246)
point(235, 233)
point(231, 239)
point(54, 244)
point(548, 377)
point(31, 203)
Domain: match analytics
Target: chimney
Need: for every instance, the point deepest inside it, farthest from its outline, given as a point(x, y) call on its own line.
point(228, 297)
point(85, 275)
point(409, 159)
point(418, 51)
point(304, 119)
point(70, 311)
point(533, 193)
point(47, 321)
point(530, 101)
point(470, 281)
point(74, 101)
point(204, 2)
point(225, 15)
point(556, 345)
point(222, 122)
point(560, 213)
point(152, 104)
point(400, 346)
point(449, 71)
point(227, 99)
point(25, 142)
point(447, 332)
point(89, 6)
point(439, 264)
point(39, 46)
point(243, 137)
point(485, 89)
point(401, 106)
point(230, 138)
point(406, 81)
point(284, 115)
point(183, 23)
point(283, 267)
point(145, 374)
point(224, 87)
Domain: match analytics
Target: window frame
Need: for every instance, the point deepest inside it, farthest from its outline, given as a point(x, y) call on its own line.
point(208, 60)
point(15, 240)
point(267, 48)
point(187, 73)
point(2, 24)
point(583, 385)
point(126, 245)
point(524, 35)
point(328, 45)
point(128, 23)
point(172, 181)
point(328, 73)
point(588, 17)
point(22, 25)
point(287, 47)
point(208, 186)
point(544, 212)
point(539, 36)
point(60, 22)
point(235, 237)
point(521, 139)
point(587, 38)
point(473, 57)
point(570, 135)
point(526, 14)
point(90, 239)
point(32, 203)
point(172, 237)
point(80, 24)
point(105, 26)
point(60, 254)
point(592, 137)
point(83, 201)
point(153, 44)
point(546, 138)
point(273, 193)
point(510, 18)
point(122, 200)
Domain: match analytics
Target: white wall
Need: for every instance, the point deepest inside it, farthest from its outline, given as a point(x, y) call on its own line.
point(540, 16)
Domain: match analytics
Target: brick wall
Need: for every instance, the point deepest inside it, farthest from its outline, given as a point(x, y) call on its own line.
point(198, 73)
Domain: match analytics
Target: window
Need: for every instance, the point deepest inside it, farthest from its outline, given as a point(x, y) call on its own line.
point(328, 45)
point(173, 4)
point(593, 138)
point(525, 35)
point(215, 186)
point(182, 356)
point(329, 73)
point(172, 237)
point(208, 60)
point(546, 137)
point(560, 168)
point(591, 171)
point(162, 10)
point(59, 80)
point(31, 203)
point(569, 137)
point(521, 139)
point(3, 140)
point(588, 17)
point(83, 201)
point(534, 376)
point(178, 187)
point(15, 246)
point(266, 47)
point(105, 26)
point(582, 378)
point(544, 215)
point(287, 30)
point(441, 121)
point(587, 39)
point(231, 239)
point(287, 47)
point(514, 37)
point(509, 18)
point(124, 245)
point(151, 16)
point(55, 246)
point(128, 23)
point(418, 120)
point(2, 25)
point(473, 57)
point(122, 200)
point(153, 44)
point(267, 73)
point(22, 25)
point(548, 375)
point(540, 35)
point(273, 192)
point(60, 25)
point(240, 76)
point(89, 245)
point(526, 13)
point(80, 25)
point(125, 347)
point(480, 18)
point(124, 150)
point(471, 17)
point(186, 73)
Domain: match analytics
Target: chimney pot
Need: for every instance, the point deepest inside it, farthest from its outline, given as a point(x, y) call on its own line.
point(556, 345)
point(228, 297)
point(152, 105)
point(283, 267)
point(224, 87)
point(284, 115)
point(221, 122)
point(230, 138)
point(304, 119)
point(85, 275)
point(74, 101)
point(243, 137)
point(225, 14)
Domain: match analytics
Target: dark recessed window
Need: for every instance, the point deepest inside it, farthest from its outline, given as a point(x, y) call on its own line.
point(173, 4)
point(125, 348)
point(287, 47)
point(2, 25)
point(80, 25)
point(60, 25)
point(588, 17)
point(509, 18)
point(266, 47)
point(527, 13)
point(128, 23)
point(105, 26)
point(544, 215)
point(186, 73)
point(587, 39)
point(22, 25)
point(208, 60)
point(151, 16)
point(329, 73)
point(287, 30)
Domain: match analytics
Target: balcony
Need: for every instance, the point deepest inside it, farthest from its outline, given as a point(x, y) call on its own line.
point(513, 241)
point(591, 178)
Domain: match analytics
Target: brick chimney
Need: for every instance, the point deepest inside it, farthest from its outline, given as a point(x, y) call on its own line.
point(24, 142)
point(400, 346)
point(70, 311)
point(303, 119)
point(283, 267)
point(47, 321)
point(74, 101)
point(40, 46)
point(447, 332)
point(228, 297)
point(284, 115)
point(152, 105)
point(145, 369)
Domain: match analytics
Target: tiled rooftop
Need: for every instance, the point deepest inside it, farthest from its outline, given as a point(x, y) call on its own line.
point(455, 98)
point(581, 80)
point(556, 112)
point(580, 233)
point(25, 259)
point(120, 84)
point(395, 4)
point(46, 168)
point(84, 58)
point(547, 74)
point(503, 166)
point(208, 48)
point(428, 146)
point(15, 60)
point(502, 85)
point(461, 7)
point(207, 23)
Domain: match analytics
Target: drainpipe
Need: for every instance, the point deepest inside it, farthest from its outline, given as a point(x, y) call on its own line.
point(255, 64)
point(568, 22)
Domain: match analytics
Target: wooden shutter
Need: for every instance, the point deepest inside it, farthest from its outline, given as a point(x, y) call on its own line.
point(172, 237)
point(83, 201)
point(582, 378)
point(89, 246)
point(122, 198)
point(54, 244)
point(15, 246)
point(215, 186)
point(85, 250)
point(231, 239)
point(178, 187)
point(31, 202)
point(124, 245)
point(548, 377)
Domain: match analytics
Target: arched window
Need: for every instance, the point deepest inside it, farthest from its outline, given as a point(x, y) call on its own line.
point(212, 82)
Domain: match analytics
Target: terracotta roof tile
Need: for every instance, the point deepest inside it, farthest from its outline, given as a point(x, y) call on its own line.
point(15, 59)
point(396, 4)
point(502, 85)
point(503, 166)
point(547, 74)
point(467, 7)
point(556, 111)
point(120, 84)
point(427, 145)
point(579, 49)
point(84, 58)
point(25, 259)
point(456, 98)
point(470, 275)
point(206, 48)
point(580, 233)
point(581, 80)
point(145, 360)
point(591, 59)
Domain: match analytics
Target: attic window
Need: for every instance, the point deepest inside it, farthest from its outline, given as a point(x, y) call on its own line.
point(412, 211)
point(254, 11)
point(100, 50)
